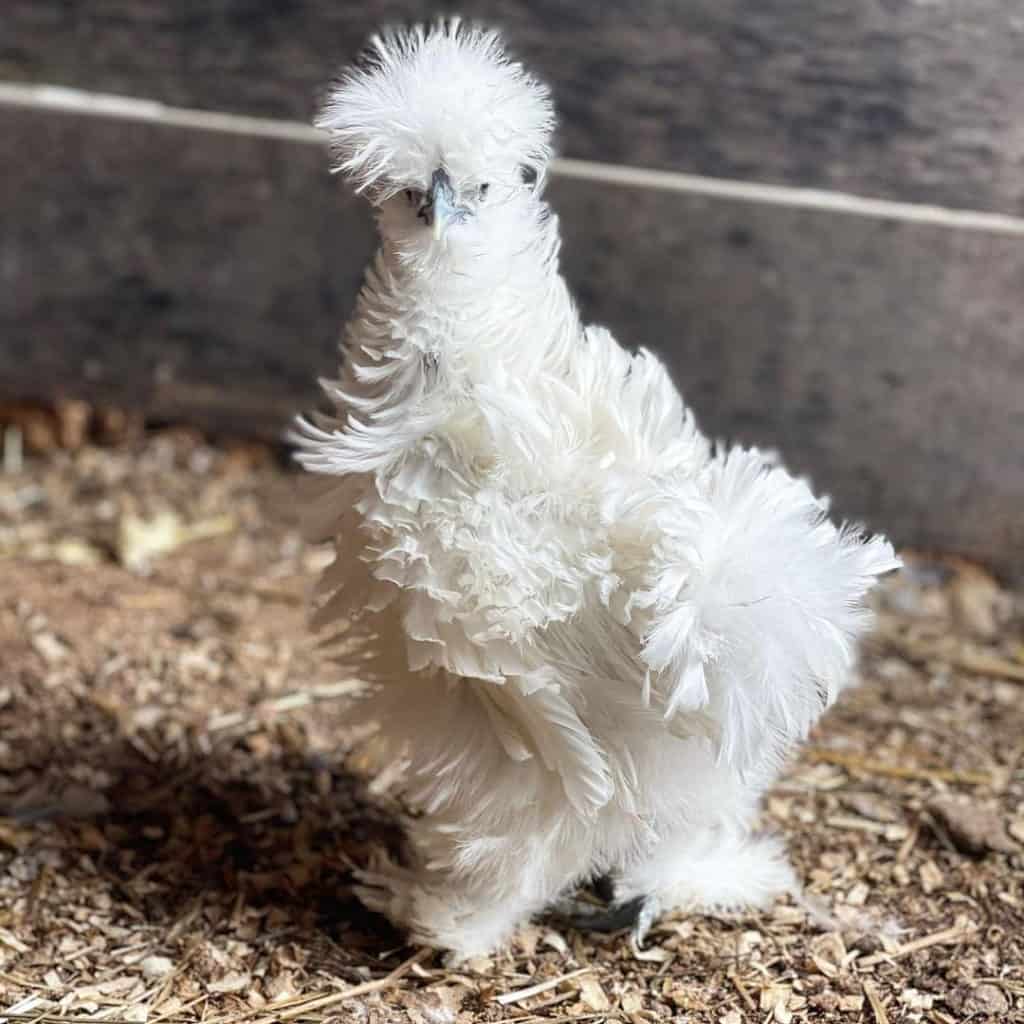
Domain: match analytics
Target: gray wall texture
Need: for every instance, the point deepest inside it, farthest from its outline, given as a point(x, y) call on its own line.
point(205, 276)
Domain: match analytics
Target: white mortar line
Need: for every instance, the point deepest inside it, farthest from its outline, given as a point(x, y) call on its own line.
point(791, 196)
point(128, 108)
point(95, 104)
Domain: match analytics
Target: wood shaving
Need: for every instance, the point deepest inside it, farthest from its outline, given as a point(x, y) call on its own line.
point(181, 811)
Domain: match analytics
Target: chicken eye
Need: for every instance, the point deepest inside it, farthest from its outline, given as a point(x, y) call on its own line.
point(528, 175)
point(484, 188)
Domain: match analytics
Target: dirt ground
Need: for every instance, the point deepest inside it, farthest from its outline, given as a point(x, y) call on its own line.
point(180, 804)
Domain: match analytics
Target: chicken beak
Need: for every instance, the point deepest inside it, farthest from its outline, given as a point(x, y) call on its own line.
point(440, 219)
point(441, 206)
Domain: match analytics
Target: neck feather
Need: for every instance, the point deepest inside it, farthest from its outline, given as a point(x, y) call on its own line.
point(425, 335)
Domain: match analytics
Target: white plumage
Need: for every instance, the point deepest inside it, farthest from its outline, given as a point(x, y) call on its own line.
point(590, 639)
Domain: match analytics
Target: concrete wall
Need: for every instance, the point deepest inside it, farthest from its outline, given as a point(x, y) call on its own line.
point(203, 274)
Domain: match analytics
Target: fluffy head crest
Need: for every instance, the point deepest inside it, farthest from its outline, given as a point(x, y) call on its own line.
point(444, 96)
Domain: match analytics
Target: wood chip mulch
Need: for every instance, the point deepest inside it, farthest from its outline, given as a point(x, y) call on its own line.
point(180, 806)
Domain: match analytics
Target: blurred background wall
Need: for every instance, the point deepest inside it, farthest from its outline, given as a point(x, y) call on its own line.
point(199, 269)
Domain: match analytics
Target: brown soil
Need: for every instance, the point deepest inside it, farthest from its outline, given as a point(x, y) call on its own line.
point(180, 808)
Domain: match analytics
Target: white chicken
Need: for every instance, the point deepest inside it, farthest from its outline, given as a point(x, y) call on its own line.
point(589, 639)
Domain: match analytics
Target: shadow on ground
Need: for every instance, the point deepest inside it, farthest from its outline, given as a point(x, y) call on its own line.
point(188, 838)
